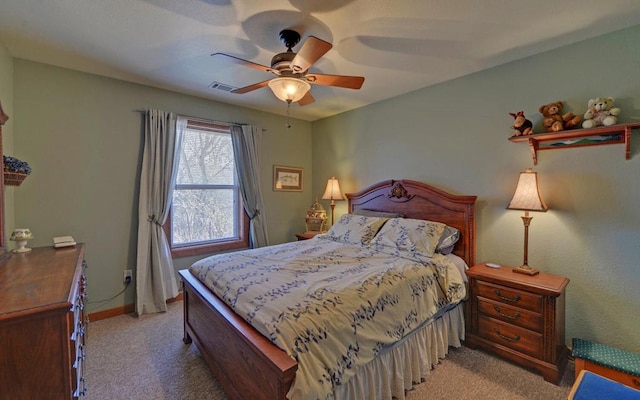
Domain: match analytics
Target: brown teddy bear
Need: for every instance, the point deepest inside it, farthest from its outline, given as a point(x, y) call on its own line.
point(554, 120)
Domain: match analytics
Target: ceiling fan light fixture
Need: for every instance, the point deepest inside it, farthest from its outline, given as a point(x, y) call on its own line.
point(289, 89)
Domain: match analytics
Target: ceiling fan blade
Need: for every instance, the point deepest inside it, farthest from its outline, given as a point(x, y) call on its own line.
point(344, 81)
point(250, 88)
point(306, 99)
point(310, 52)
point(246, 63)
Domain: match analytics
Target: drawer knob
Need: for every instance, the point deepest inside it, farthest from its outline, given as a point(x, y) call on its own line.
point(503, 315)
point(515, 338)
point(512, 300)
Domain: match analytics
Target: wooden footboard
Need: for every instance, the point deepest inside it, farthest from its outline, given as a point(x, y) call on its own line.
point(246, 364)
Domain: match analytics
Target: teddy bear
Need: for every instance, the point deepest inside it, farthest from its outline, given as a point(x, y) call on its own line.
point(521, 125)
point(554, 120)
point(600, 112)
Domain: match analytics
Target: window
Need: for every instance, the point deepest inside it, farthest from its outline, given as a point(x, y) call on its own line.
point(206, 212)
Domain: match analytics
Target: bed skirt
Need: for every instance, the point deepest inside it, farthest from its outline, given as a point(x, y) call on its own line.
point(408, 362)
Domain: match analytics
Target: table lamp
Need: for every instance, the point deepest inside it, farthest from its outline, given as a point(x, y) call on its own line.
point(527, 198)
point(333, 193)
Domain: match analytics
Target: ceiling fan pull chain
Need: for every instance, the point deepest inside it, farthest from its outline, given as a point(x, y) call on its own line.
point(287, 124)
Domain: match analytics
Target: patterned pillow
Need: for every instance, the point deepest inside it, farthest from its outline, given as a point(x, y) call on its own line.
point(416, 236)
point(448, 240)
point(356, 229)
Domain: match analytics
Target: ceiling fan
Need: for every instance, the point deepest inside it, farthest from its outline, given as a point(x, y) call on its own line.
point(293, 79)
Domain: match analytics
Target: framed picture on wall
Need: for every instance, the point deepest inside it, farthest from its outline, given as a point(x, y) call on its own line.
point(287, 179)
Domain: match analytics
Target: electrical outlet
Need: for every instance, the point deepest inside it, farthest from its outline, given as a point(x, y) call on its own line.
point(128, 276)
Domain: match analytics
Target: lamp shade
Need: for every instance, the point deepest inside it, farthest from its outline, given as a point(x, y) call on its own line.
point(527, 196)
point(332, 192)
point(289, 89)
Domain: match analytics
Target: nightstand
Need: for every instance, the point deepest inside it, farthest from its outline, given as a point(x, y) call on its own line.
point(306, 235)
point(519, 317)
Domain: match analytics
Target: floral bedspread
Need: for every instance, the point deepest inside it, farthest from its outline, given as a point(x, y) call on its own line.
point(329, 305)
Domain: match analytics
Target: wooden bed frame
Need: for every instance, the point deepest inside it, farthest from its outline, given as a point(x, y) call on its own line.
point(248, 365)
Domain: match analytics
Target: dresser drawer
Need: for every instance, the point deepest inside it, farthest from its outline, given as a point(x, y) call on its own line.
point(511, 315)
point(514, 337)
point(513, 297)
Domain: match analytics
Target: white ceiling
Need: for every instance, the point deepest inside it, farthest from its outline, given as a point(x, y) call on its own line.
point(397, 45)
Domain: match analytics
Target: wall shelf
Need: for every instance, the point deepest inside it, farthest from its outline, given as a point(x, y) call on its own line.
point(614, 134)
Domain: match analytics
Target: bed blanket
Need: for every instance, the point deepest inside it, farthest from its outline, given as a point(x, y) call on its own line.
point(329, 305)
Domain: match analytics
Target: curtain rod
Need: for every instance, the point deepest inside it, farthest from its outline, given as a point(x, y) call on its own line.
point(206, 120)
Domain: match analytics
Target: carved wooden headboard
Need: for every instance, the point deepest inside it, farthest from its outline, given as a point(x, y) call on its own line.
point(418, 200)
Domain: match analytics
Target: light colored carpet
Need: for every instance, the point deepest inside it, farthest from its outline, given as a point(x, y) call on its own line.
point(145, 359)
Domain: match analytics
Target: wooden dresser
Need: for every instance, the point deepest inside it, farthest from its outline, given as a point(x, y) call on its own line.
point(519, 317)
point(42, 324)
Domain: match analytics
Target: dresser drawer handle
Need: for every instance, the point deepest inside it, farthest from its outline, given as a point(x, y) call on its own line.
point(81, 356)
point(515, 338)
point(513, 300)
point(503, 315)
point(80, 392)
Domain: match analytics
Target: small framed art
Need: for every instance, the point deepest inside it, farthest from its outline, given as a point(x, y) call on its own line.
point(288, 179)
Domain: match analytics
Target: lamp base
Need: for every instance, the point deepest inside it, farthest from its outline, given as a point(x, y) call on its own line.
point(525, 269)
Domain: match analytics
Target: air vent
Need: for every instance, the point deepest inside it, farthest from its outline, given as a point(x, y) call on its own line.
point(221, 86)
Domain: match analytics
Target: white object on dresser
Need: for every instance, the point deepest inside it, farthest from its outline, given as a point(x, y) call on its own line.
point(63, 241)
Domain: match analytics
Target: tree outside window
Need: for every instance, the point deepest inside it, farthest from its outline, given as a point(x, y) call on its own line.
point(206, 212)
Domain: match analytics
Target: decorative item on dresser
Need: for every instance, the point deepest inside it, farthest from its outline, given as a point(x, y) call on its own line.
point(42, 324)
point(316, 218)
point(21, 236)
point(519, 317)
point(527, 197)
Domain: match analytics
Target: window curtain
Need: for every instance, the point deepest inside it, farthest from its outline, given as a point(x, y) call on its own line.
point(247, 142)
point(155, 277)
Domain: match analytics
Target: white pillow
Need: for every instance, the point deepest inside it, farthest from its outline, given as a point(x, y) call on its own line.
point(356, 229)
point(448, 240)
point(416, 236)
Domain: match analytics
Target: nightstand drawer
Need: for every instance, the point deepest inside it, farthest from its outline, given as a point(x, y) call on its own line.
point(513, 297)
point(511, 315)
point(519, 339)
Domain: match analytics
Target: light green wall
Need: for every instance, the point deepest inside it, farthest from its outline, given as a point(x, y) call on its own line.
point(454, 136)
point(6, 97)
point(83, 139)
